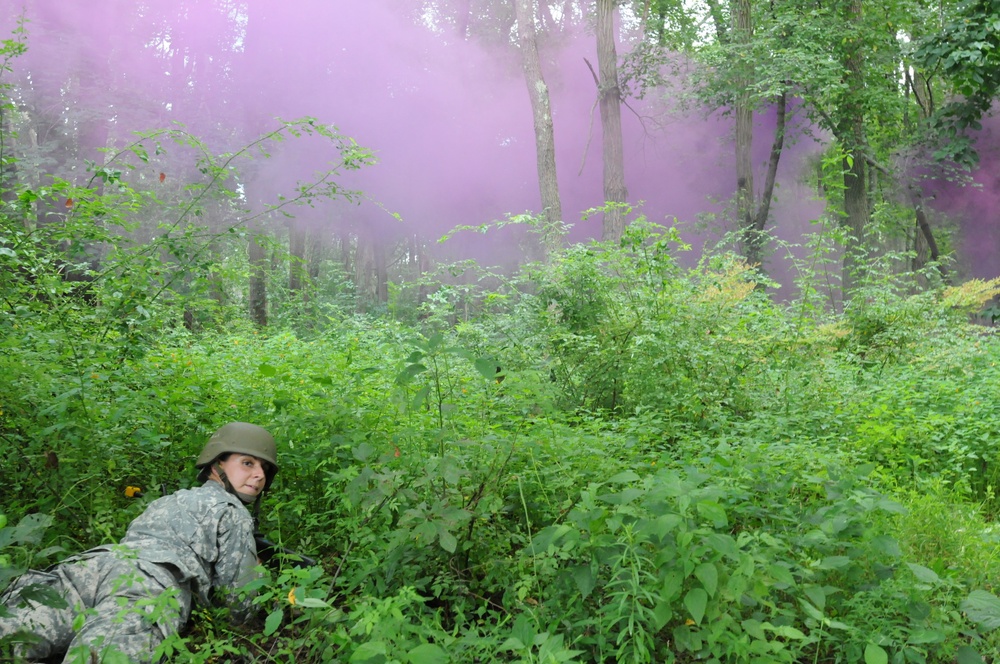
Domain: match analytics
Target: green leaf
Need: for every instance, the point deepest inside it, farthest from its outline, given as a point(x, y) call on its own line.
point(887, 545)
point(968, 655)
point(511, 644)
point(585, 581)
point(487, 367)
point(983, 608)
point(622, 498)
point(623, 477)
point(427, 653)
point(273, 621)
point(662, 613)
point(523, 630)
point(754, 628)
point(922, 636)
point(924, 574)
point(696, 601)
point(267, 370)
point(447, 541)
point(40, 593)
point(834, 562)
point(875, 655)
point(787, 631)
point(28, 530)
point(312, 603)
point(547, 537)
point(781, 574)
point(362, 452)
point(811, 610)
point(817, 596)
point(420, 397)
point(723, 544)
point(709, 577)
point(714, 512)
point(372, 652)
point(407, 374)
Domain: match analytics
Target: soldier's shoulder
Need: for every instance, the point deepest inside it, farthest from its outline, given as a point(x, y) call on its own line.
point(201, 499)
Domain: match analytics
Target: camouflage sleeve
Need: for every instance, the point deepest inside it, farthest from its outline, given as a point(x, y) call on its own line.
point(237, 562)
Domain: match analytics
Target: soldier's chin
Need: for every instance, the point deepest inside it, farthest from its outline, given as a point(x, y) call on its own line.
point(247, 497)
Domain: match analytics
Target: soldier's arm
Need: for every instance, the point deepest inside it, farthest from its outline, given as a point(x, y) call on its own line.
point(237, 562)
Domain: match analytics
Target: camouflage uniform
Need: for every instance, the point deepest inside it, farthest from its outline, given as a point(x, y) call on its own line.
point(182, 547)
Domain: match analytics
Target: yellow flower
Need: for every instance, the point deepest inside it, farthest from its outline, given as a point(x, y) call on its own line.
point(291, 596)
point(688, 622)
point(133, 491)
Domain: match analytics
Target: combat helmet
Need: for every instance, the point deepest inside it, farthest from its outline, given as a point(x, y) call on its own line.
point(240, 438)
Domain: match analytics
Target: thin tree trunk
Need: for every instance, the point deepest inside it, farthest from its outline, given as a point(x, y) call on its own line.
point(717, 18)
point(381, 271)
point(926, 232)
point(364, 271)
point(538, 93)
point(781, 108)
point(852, 136)
point(8, 162)
point(745, 206)
point(615, 193)
point(345, 253)
point(315, 252)
point(258, 281)
point(297, 256)
point(753, 234)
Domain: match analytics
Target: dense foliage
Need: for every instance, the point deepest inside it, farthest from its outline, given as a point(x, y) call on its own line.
point(614, 459)
point(599, 457)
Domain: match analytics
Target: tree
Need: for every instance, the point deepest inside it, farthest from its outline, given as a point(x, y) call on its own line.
point(741, 57)
point(538, 93)
point(965, 52)
point(610, 96)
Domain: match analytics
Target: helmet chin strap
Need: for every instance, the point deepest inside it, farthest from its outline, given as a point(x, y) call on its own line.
point(245, 498)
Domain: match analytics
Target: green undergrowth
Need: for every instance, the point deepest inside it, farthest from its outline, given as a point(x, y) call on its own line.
point(616, 459)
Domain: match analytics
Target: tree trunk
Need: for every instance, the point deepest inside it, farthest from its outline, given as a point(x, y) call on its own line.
point(345, 253)
point(538, 93)
point(781, 111)
point(258, 281)
point(364, 271)
point(8, 161)
point(856, 221)
point(925, 244)
point(852, 136)
point(316, 253)
point(381, 271)
point(718, 19)
point(297, 256)
point(615, 193)
point(745, 207)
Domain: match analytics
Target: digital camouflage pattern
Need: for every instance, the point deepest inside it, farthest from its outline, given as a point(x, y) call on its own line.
point(99, 581)
point(183, 546)
point(206, 535)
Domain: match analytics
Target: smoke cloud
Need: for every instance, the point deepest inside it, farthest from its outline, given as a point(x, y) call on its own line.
point(435, 89)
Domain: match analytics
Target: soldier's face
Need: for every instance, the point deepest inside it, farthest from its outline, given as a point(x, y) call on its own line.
point(245, 473)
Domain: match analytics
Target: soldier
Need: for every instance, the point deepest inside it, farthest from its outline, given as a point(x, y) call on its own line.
point(182, 547)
